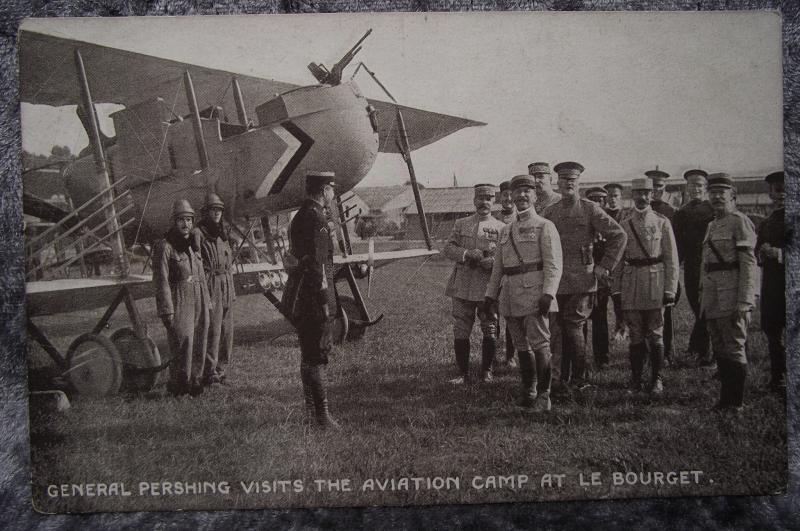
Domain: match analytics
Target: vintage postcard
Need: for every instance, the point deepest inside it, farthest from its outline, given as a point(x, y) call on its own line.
point(395, 259)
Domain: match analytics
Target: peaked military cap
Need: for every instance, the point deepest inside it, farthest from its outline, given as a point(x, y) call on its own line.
point(596, 191)
point(485, 188)
point(568, 168)
point(720, 180)
point(522, 180)
point(611, 186)
point(321, 178)
point(657, 175)
point(698, 171)
point(774, 177)
point(538, 167)
point(643, 183)
point(505, 185)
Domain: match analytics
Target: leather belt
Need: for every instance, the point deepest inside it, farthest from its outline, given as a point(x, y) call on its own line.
point(191, 279)
point(725, 266)
point(524, 268)
point(643, 262)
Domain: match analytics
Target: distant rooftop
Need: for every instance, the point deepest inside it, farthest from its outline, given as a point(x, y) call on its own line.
point(447, 200)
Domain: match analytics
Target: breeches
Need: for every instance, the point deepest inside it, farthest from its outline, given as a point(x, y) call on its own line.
point(645, 325)
point(529, 332)
point(729, 337)
point(315, 342)
point(464, 312)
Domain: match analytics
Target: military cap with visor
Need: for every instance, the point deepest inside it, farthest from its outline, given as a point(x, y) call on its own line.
point(321, 178)
point(720, 180)
point(505, 185)
point(697, 171)
point(611, 186)
point(596, 191)
point(643, 183)
point(657, 176)
point(569, 169)
point(485, 189)
point(774, 177)
point(538, 167)
point(522, 180)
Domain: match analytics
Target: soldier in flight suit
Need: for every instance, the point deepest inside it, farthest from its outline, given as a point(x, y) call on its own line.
point(218, 263)
point(507, 214)
point(472, 246)
point(309, 299)
point(647, 279)
point(598, 194)
point(728, 288)
point(690, 223)
point(660, 206)
point(525, 278)
point(182, 301)
point(769, 250)
point(578, 222)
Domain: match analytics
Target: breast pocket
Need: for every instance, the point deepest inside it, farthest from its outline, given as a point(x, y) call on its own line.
point(178, 267)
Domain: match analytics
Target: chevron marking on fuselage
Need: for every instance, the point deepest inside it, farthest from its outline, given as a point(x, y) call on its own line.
point(292, 146)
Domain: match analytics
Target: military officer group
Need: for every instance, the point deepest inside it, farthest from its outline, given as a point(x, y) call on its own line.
point(549, 259)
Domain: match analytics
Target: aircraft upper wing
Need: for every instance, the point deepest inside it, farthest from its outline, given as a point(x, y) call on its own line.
point(48, 77)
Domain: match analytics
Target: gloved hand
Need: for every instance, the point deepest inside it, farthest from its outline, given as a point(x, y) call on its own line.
point(600, 272)
point(669, 299)
point(544, 304)
point(490, 307)
point(472, 257)
point(487, 263)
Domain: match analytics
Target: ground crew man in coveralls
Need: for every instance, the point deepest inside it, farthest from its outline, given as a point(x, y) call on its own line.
point(728, 288)
point(660, 206)
point(507, 214)
point(525, 277)
point(218, 263)
point(545, 196)
point(578, 222)
point(647, 278)
point(309, 299)
point(472, 247)
point(769, 250)
point(690, 223)
point(598, 194)
point(183, 301)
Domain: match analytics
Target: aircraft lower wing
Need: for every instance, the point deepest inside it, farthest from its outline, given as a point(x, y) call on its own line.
point(49, 297)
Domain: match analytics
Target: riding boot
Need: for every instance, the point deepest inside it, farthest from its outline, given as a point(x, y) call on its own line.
point(526, 371)
point(777, 359)
point(308, 395)
point(723, 367)
point(738, 378)
point(544, 374)
point(321, 411)
point(656, 362)
point(488, 348)
point(509, 348)
point(637, 354)
point(461, 347)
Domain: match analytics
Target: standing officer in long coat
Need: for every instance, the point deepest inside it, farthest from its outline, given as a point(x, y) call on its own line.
point(309, 298)
point(599, 316)
point(218, 263)
point(525, 278)
point(770, 247)
point(507, 214)
point(471, 246)
point(647, 279)
point(728, 287)
point(578, 222)
point(690, 223)
point(182, 301)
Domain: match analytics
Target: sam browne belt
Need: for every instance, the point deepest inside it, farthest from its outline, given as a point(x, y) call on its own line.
point(524, 268)
point(724, 266)
point(643, 262)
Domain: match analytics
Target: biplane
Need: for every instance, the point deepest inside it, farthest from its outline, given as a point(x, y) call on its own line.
point(186, 130)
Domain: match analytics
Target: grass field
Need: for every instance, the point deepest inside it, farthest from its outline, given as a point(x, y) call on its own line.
point(401, 419)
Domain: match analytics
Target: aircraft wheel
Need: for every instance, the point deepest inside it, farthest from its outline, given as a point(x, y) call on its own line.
point(340, 327)
point(138, 355)
point(349, 305)
point(94, 367)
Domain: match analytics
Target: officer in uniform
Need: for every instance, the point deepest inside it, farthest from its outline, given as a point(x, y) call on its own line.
point(545, 196)
point(690, 224)
point(578, 222)
point(660, 206)
point(647, 279)
point(770, 252)
point(615, 210)
point(182, 301)
point(471, 246)
point(728, 287)
point(598, 194)
point(525, 277)
point(507, 214)
point(309, 299)
point(218, 264)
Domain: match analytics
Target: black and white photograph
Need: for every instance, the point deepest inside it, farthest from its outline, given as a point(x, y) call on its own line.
point(348, 260)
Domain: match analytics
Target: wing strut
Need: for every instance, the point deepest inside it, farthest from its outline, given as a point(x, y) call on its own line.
point(196, 124)
point(241, 112)
point(405, 149)
point(117, 245)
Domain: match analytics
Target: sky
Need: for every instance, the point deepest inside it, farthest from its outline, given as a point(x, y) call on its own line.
point(618, 92)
